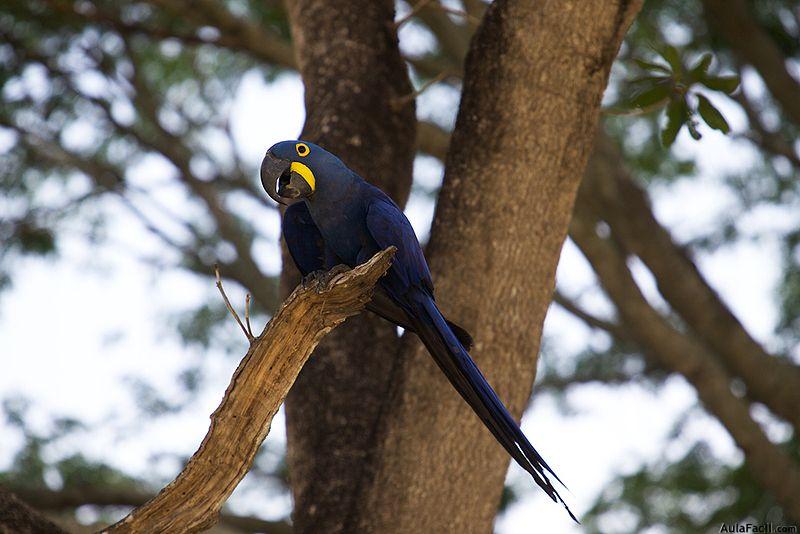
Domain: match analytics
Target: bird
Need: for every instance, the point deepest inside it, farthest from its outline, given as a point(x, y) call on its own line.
point(336, 218)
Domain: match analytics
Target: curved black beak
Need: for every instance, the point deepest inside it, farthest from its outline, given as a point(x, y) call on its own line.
point(273, 169)
point(282, 181)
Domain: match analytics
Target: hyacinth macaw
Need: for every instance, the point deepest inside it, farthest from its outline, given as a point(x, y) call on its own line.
point(336, 218)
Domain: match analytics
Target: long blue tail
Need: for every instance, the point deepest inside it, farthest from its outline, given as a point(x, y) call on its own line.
point(464, 375)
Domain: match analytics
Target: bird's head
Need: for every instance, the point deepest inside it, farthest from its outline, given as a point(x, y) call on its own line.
point(294, 169)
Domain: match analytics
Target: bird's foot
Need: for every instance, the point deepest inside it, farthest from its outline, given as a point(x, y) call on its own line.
point(311, 278)
point(327, 276)
point(322, 277)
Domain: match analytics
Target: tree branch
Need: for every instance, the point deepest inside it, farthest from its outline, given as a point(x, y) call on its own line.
point(616, 330)
point(71, 498)
point(193, 500)
point(453, 38)
point(432, 139)
point(624, 206)
point(236, 33)
point(770, 465)
point(754, 45)
point(174, 149)
point(764, 138)
point(17, 517)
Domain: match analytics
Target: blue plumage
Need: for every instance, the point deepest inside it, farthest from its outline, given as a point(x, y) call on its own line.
point(344, 219)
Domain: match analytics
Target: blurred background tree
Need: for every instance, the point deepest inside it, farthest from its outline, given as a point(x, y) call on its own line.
point(117, 113)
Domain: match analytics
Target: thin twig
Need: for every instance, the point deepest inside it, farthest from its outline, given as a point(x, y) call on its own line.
point(401, 101)
point(460, 13)
point(418, 7)
point(247, 334)
point(247, 315)
point(592, 321)
point(410, 15)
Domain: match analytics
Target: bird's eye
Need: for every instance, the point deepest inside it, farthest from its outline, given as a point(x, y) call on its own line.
point(302, 149)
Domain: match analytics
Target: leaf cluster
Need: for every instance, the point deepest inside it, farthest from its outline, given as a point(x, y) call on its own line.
point(672, 84)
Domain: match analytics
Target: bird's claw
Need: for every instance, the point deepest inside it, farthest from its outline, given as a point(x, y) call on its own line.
point(327, 277)
point(310, 280)
point(322, 277)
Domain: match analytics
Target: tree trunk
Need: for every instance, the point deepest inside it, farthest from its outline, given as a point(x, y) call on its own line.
point(533, 82)
point(353, 73)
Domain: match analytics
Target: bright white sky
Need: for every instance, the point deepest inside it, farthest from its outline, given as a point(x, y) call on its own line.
point(72, 330)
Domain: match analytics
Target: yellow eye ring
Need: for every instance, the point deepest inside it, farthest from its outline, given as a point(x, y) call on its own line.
point(302, 149)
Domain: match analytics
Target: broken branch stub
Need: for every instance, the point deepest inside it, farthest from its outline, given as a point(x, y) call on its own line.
point(192, 501)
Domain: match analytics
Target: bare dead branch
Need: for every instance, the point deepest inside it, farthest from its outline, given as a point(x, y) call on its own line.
point(193, 500)
point(247, 300)
point(250, 337)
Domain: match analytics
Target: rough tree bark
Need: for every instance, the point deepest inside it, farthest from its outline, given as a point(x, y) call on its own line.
point(355, 78)
point(191, 502)
point(533, 81)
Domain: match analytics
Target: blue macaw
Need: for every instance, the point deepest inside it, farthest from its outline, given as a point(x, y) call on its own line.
point(337, 217)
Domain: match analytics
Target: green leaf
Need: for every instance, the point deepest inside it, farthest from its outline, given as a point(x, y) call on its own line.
point(711, 115)
point(647, 65)
point(677, 114)
point(724, 84)
point(700, 68)
point(649, 80)
point(652, 95)
point(691, 125)
point(35, 240)
point(672, 56)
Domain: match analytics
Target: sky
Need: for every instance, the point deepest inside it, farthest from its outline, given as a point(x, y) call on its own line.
point(77, 332)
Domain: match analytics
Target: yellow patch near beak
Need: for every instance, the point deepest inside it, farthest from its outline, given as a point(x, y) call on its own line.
point(305, 172)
